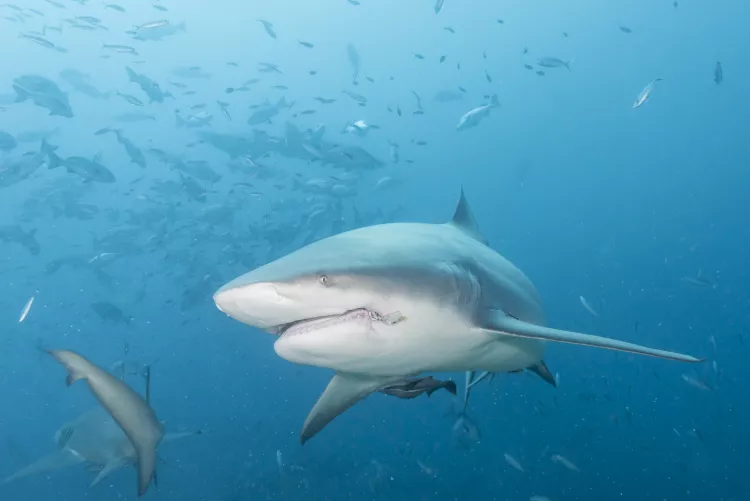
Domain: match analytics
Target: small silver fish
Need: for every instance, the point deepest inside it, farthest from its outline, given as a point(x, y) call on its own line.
point(565, 462)
point(645, 93)
point(696, 383)
point(588, 306)
point(513, 462)
point(26, 310)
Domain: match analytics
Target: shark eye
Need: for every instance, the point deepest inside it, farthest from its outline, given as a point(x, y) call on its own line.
point(324, 280)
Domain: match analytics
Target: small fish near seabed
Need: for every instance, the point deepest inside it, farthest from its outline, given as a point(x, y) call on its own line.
point(129, 410)
point(461, 307)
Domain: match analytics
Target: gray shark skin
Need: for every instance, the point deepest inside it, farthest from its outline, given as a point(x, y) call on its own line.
point(382, 303)
point(93, 439)
point(129, 410)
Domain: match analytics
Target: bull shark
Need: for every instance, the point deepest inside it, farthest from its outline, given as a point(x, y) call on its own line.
point(385, 302)
point(93, 439)
point(127, 408)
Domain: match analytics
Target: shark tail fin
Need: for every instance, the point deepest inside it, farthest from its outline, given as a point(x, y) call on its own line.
point(342, 392)
point(504, 325)
point(146, 468)
point(49, 150)
point(21, 94)
point(495, 101)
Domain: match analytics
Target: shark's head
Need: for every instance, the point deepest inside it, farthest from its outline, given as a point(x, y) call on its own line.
point(319, 300)
point(291, 289)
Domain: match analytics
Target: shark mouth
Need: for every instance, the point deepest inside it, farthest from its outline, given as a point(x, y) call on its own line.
point(312, 324)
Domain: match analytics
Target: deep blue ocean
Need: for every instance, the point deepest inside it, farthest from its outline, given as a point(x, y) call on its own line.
point(151, 151)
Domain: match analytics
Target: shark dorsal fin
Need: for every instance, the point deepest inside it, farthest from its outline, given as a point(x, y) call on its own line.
point(463, 219)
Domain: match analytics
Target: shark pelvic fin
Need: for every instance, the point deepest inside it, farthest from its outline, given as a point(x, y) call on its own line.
point(342, 392)
point(464, 219)
point(109, 468)
point(504, 325)
point(543, 372)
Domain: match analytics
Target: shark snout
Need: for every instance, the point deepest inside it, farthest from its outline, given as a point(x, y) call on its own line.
point(252, 304)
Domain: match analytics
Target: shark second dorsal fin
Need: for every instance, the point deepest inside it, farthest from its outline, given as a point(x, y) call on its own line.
point(464, 219)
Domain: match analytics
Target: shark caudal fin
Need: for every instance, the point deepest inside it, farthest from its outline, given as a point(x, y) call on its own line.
point(146, 468)
point(504, 325)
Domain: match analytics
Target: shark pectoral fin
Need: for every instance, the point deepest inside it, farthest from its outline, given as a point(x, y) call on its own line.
point(543, 372)
point(342, 392)
point(109, 468)
point(55, 461)
point(505, 325)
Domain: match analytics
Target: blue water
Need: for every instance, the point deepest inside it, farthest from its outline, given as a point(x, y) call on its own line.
point(628, 207)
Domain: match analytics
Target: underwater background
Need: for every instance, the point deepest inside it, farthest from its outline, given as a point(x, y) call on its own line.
point(151, 151)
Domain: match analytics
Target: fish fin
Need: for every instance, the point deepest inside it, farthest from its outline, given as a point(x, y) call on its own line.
point(171, 437)
point(505, 325)
point(467, 387)
point(107, 469)
point(494, 101)
point(342, 392)
point(52, 462)
point(73, 374)
point(478, 379)
point(541, 370)
point(146, 468)
point(463, 219)
point(449, 386)
point(21, 94)
point(147, 377)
